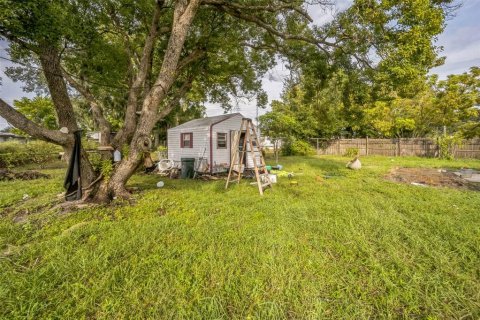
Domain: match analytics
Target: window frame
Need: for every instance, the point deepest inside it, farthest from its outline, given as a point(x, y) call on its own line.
point(226, 140)
point(182, 140)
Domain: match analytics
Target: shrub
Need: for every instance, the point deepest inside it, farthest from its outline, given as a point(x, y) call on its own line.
point(351, 152)
point(295, 147)
point(447, 145)
point(16, 153)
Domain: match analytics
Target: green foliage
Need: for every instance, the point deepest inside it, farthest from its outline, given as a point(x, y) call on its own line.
point(351, 152)
point(354, 246)
point(456, 99)
point(106, 168)
point(125, 150)
point(294, 147)
point(290, 119)
point(161, 148)
point(95, 159)
point(39, 109)
point(447, 145)
point(88, 144)
point(341, 106)
point(33, 152)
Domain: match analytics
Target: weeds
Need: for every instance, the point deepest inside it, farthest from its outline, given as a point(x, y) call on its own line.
point(352, 246)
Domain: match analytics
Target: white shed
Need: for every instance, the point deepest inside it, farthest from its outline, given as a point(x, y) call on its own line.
point(209, 138)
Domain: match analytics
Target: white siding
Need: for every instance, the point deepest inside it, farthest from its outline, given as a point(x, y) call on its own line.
point(201, 142)
point(201, 146)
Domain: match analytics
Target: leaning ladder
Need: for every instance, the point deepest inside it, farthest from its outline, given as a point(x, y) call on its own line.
point(261, 173)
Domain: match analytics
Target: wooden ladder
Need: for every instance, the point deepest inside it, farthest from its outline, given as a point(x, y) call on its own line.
point(248, 147)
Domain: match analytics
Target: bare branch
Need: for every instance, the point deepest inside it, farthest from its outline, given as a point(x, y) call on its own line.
point(19, 121)
point(269, 7)
point(145, 64)
point(187, 85)
point(195, 55)
point(261, 23)
point(97, 112)
point(18, 41)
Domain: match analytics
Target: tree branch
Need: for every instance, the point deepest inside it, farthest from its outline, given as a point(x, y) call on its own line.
point(102, 124)
point(195, 55)
point(264, 25)
point(50, 61)
point(187, 85)
point(131, 113)
point(19, 121)
point(183, 17)
point(18, 41)
point(269, 7)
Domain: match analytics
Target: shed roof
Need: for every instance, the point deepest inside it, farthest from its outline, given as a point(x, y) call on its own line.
point(206, 122)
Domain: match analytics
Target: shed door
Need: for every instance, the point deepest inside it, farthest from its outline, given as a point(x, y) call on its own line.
point(233, 137)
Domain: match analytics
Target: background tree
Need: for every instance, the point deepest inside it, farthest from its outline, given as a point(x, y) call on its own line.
point(39, 110)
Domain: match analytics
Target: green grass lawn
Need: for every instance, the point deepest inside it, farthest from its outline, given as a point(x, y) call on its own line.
point(351, 246)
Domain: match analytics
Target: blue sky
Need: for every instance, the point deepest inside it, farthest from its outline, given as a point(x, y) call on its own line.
point(460, 40)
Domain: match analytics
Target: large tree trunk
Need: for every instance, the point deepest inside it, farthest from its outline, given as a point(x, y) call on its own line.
point(50, 61)
point(115, 186)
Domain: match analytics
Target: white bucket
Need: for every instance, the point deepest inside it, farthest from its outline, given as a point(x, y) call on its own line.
point(273, 178)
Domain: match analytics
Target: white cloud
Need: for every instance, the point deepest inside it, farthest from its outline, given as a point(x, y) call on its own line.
point(461, 41)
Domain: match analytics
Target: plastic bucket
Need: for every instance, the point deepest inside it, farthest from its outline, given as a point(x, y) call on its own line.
point(188, 165)
point(273, 178)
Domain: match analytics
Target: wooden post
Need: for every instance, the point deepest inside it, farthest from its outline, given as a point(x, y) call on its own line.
point(366, 146)
point(317, 148)
point(399, 146)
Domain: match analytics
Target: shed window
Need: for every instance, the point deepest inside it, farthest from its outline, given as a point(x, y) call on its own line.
point(186, 140)
point(221, 140)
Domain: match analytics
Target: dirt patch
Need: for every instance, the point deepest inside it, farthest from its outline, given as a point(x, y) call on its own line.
point(6, 175)
point(431, 177)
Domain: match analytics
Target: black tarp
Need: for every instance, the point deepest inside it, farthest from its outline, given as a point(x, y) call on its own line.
point(73, 182)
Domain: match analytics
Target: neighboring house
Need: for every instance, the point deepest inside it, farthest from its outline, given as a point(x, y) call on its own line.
point(7, 136)
point(208, 138)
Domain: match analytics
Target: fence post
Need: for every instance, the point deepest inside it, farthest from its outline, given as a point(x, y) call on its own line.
point(338, 147)
point(318, 151)
point(399, 146)
point(366, 146)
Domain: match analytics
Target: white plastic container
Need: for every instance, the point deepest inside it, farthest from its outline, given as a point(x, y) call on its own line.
point(273, 178)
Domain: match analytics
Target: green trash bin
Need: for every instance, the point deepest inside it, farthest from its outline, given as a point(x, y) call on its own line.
point(188, 165)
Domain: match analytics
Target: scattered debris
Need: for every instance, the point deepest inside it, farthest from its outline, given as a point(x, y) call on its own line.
point(468, 174)
point(418, 184)
point(210, 177)
point(160, 184)
point(6, 175)
point(431, 177)
point(273, 178)
point(355, 164)
point(280, 173)
point(25, 196)
point(276, 167)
